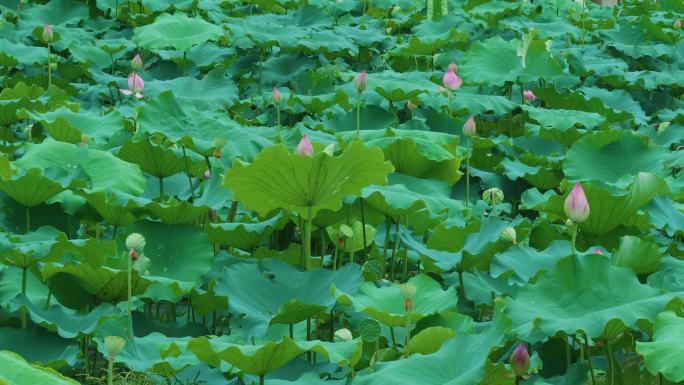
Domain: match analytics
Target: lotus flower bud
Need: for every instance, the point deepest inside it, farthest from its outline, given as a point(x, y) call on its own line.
point(277, 96)
point(509, 234)
point(329, 150)
point(493, 196)
point(135, 241)
point(408, 290)
point(576, 205)
point(207, 174)
point(520, 360)
point(569, 222)
point(361, 82)
point(529, 95)
point(304, 147)
point(344, 334)
point(135, 86)
point(114, 345)
point(136, 63)
point(408, 304)
point(47, 33)
point(469, 128)
point(677, 23)
point(84, 140)
point(217, 152)
point(598, 251)
point(411, 106)
point(450, 79)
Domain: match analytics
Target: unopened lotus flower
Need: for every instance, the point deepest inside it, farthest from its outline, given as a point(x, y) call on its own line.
point(304, 147)
point(344, 334)
point(135, 86)
point(114, 345)
point(509, 234)
point(677, 23)
point(136, 63)
point(469, 127)
point(361, 81)
point(598, 251)
point(450, 79)
point(520, 360)
point(277, 96)
point(576, 205)
point(529, 95)
point(217, 152)
point(47, 33)
point(207, 174)
point(493, 196)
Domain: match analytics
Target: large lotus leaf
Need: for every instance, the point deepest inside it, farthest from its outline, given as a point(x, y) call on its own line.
point(355, 242)
point(669, 275)
point(663, 354)
point(667, 215)
point(386, 304)
point(278, 179)
point(16, 371)
point(583, 293)
point(40, 245)
point(98, 166)
point(400, 86)
point(520, 263)
point(153, 159)
point(172, 212)
point(430, 339)
point(213, 91)
point(491, 62)
point(39, 346)
point(441, 368)
point(30, 188)
point(286, 295)
point(10, 286)
point(24, 54)
point(612, 159)
point(176, 31)
point(246, 236)
point(264, 358)
point(111, 208)
point(66, 125)
point(539, 63)
point(467, 102)
point(637, 254)
point(563, 120)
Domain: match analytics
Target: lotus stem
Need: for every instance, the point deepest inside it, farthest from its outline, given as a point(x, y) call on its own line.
point(278, 114)
point(363, 229)
point(408, 333)
point(261, 379)
point(24, 317)
point(461, 282)
point(49, 66)
point(591, 366)
point(28, 220)
point(574, 238)
point(48, 300)
point(394, 250)
point(161, 188)
point(358, 119)
point(187, 170)
point(307, 238)
point(130, 288)
point(611, 362)
point(185, 54)
point(467, 175)
point(110, 371)
point(383, 267)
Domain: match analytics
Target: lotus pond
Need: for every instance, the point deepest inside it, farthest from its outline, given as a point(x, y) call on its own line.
point(363, 192)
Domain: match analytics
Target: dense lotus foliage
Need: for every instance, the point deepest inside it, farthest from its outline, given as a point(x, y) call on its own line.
point(365, 192)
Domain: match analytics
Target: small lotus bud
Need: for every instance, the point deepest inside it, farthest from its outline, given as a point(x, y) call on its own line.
point(217, 152)
point(114, 345)
point(84, 140)
point(576, 205)
point(411, 106)
point(469, 128)
point(450, 79)
point(47, 33)
point(361, 82)
point(529, 95)
point(408, 304)
point(207, 174)
point(135, 241)
point(598, 251)
point(520, 360)
point(408, 290)
point(276, 96)
point(677, 23)
point(329, 149)
point(136, 63)
point(569, 222)
point(304, 147)
point(509, 234)
point(344, 334)
point(493, 196)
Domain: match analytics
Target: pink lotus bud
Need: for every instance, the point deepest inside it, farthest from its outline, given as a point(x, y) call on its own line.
point(451, 80)
point(598, 251)
point(529, 95)
point(207, 174)
point(576, 205)
point(277, 97)
point(304, 147)
point(677, 23)
point(361, 82)
point(136, 63)
point(47, 33)
point(408, 304)
point(469, 128)
point(520, 360)
point(135, 86)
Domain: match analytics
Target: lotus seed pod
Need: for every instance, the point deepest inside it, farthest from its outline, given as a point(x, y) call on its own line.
point(493, 196)
point(304, 147)
point(408, 290)
point(344, 335)
point(346, 231)
point(576, 205)
point(135, 241)
point(509, 234)
point(114, 345)
point(520, 360)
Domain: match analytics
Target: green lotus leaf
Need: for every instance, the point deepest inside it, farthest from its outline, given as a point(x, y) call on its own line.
point(354, 242)
point(39, 346)
point(155, 160)
point(287, 296)
point(491, 62)
point(213, 91)
point(386, 304)
point(396, 86)
point(245, 236)
point(264, 358)
point(579, 295)
point(539, 63)
point(639, 255)
point(176, 31)
point(30, 188)
point(16, 371)
point(466, 101)
point(430, 340)
point(65, 125)
point(666, 215)
point(520, 263)
point(21, 53)
point(661, 355)
point(173, 212)
point(111, 208)
point(278, 179)
point(668, 275)
point(563, 120)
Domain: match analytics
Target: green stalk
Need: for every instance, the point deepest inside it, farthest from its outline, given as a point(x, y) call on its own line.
point(278, 109)
point(261, 379)
point(48, 300)
point(461, 282)
point(185, 54)
point(363, 230)
point(467, 175)
point(408, 333)
point(110, 371)
point(574, 238)
point(307, 238)
point(49, 66)
point(383, 267)
point(130, 289)
point(28, 220)
point(187, 170)
point(591, 366)
point(161, 188)
point(611, 362)
point(394, 250)
point(24, 318)
point(358, 119)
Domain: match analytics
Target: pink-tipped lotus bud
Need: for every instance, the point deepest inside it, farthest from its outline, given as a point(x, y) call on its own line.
point(576, 205)
point(361, 81)
point(47, 33)
point(207, 174)
point(136, 63)
point(304, 147)
point(677, 23)
point(469, 128)
point(451, 80)
point(277, 97)
point(520, 360)
point(598, 251)
point(529, 95)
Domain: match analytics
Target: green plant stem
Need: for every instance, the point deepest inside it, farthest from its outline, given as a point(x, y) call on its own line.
point(307, 238)
point(161, 188)
point(591, 365)
point(363, 230)
point(187, 170)
point(394, 250)
point(383, 265)
point(408, 333)
point(278, 109)
point(611, 362)
point(461, 283)
point(110, 371)
point(394, 340)
point(574, 238)
point(86, 365)
point(185, 54)
point(261, 380)
point(130, 288)
point(49, 66)
point(467, 175)
point(568, 354)
point(24, 318)
point(28, 220)
point(48, 300)
point(358, 119)
point(337, 248)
